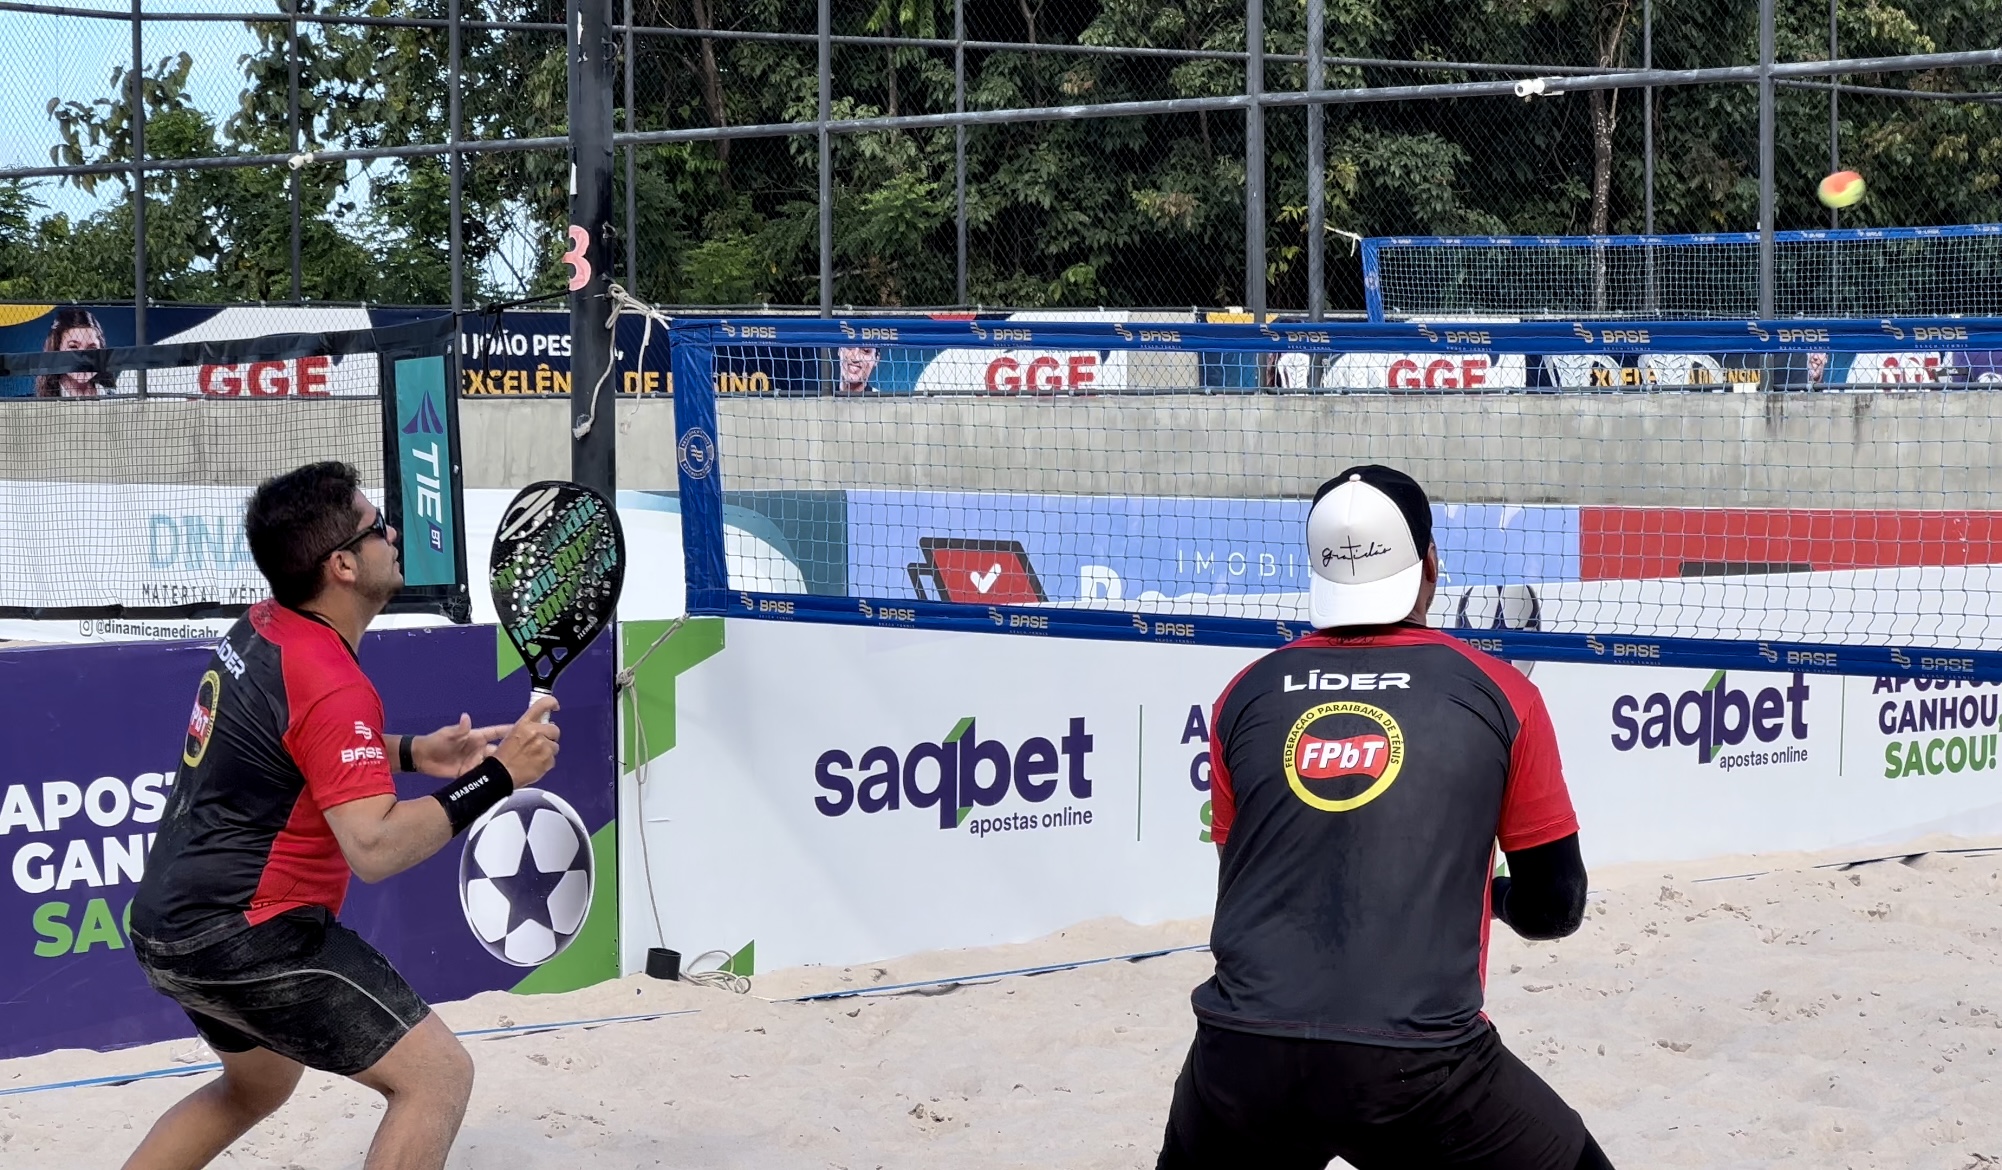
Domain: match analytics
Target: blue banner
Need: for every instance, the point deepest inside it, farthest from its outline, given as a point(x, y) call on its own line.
point(983, 548)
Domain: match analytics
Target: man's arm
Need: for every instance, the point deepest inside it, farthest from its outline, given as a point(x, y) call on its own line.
point(446, 753)
point(381, 836)
point(1543, 896)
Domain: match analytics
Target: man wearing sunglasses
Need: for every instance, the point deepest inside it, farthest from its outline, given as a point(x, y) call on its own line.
point(284, 789)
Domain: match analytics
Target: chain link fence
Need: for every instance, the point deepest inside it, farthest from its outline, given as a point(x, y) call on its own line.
point(414, 152)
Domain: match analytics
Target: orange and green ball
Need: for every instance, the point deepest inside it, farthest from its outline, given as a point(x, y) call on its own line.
point(1841, 189)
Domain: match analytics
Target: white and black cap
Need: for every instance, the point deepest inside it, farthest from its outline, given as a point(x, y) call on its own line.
point(1367, 533)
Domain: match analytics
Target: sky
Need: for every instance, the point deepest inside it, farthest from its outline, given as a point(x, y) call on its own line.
point(71, 58)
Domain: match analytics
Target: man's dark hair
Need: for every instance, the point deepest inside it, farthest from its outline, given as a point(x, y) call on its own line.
point(294, 520)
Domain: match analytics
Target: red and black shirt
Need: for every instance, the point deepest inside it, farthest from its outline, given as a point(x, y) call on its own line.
point(284, 727)
point(1358, 786)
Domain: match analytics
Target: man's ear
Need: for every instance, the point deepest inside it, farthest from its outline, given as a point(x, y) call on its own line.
point(1432, 563)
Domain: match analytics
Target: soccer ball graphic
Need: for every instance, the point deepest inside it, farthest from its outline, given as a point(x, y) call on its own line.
point(525, 877)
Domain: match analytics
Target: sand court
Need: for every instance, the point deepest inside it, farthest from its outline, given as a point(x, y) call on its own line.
point(1814, 1017)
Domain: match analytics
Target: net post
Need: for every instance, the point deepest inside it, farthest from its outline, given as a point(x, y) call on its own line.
point(1372, 280)
point(692, 357)
point(593, 397)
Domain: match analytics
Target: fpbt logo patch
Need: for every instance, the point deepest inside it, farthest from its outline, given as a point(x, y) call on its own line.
point(957, 774)
point(1717, 717)
point(1340, 756)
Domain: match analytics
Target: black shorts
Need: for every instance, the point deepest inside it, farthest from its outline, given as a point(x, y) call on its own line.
point(301, 985)
point(1276, 1103)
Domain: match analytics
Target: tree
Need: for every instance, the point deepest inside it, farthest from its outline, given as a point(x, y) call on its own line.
point(1135, 211)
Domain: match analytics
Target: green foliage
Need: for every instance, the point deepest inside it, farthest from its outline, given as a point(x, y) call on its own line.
point(1131, 211)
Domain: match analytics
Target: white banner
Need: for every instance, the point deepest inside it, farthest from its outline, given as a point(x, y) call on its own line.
point(1672, 764)
point(837, 794)
point(167, 544)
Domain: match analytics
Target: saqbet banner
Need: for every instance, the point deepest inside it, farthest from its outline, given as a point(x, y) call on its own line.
point(893, 791)
point(1669, 764)
point(81, 793)
point(1243, 558)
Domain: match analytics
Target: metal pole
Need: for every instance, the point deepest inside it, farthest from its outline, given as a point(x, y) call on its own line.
point(1647, 119)
point(1834, 127)
point(1647, 150)
point(826, 160)
point(593, 447)
point(292, 176)
point(1766, 158)
point(1317, 169)
point(1254, 160)
point(632, 248)
point(959, 145)
point(455, 130)
point(138, 100)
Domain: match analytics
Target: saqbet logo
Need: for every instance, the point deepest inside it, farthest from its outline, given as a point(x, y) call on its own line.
point(1716, 717)
point(1336, 748)
point(956, 775)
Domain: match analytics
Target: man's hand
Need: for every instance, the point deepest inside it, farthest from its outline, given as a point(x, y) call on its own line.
point(529, 750)
point(451, 752)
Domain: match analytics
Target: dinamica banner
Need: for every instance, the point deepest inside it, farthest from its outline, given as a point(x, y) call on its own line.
point(82, 790)
point(829, 794)
point(1668, 764)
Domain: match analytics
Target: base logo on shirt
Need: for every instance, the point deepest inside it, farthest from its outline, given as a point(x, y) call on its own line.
point(1341, 756)
point(201, 721)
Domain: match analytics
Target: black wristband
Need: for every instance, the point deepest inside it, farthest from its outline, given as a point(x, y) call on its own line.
point(474, 793)
point(406, 754)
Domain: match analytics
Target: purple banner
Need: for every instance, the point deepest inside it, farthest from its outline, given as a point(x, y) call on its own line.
point(84, 781)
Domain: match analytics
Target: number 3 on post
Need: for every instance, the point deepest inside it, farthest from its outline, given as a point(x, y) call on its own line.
point(578, 257)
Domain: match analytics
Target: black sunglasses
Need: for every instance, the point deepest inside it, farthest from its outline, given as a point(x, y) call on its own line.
point(379, 528)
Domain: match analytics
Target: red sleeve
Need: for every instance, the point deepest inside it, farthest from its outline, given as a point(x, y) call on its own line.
point(337, 744)
point(1536, 806)
point(1223, 802)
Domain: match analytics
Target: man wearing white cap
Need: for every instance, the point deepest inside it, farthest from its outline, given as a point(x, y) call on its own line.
point(1360, 779)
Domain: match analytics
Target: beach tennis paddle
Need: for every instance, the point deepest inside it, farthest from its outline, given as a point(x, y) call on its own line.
point(559, 560)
